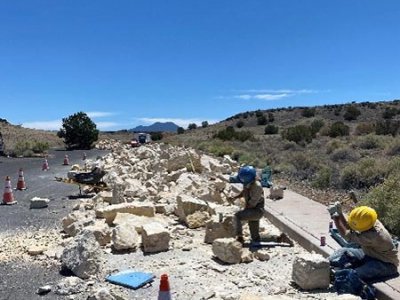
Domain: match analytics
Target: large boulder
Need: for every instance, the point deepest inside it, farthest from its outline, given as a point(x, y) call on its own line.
point(311, 271)
point(136, 208)
point(228, 250)
point(83, 255)
point(155, 238)
point(187, 205)
point(217, 230)
point(125, 237)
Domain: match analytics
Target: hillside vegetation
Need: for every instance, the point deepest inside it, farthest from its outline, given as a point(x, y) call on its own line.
point(21, 141)
point(323, 152)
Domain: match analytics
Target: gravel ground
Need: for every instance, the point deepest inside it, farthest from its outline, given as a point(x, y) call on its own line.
point(193, 271)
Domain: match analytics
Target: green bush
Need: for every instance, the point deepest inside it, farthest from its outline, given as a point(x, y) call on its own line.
point(192, 126)
point(364, 128)
point(308, 112)
point(259, 113)
point(180, 130)
point(385, 200)
point(271, 117)
point(362, 175)
point(387, 127)
point(239, 124)
point(323, 178)
point(389, 112)
point(204, 124)
point(351, 113)
point(305, 165)
point(271, 129)
point(229, 134)
point(393, 148)
point(344, 155)
point(316, 126)
point(339, 129)
point(262, 120)
point(156, 136)
point(40, 147)
point(298, 134)
point(370, 141)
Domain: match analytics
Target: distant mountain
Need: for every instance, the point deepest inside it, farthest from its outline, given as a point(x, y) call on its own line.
point(157, 127)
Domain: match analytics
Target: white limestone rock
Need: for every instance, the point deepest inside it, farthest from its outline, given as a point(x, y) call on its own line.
point(228, 250)
point(155, 238)
point(311, 271)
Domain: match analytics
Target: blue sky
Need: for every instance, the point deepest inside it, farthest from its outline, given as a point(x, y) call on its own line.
point(129, 63)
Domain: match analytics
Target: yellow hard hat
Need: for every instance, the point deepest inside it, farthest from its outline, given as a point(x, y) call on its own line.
point(362, 218)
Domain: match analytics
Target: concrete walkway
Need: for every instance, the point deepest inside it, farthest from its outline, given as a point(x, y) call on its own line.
point(305, 221)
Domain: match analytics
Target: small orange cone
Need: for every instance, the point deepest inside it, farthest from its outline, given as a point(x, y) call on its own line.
point(21, 181)
point(45, 166)
point(8, 196)
point(66, 160)
point(164, 293)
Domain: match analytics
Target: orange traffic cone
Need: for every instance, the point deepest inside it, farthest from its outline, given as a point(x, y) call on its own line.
point(45, 166)
point(66, 160)
point(8, 196)
point(21, 181)
point(164, 293)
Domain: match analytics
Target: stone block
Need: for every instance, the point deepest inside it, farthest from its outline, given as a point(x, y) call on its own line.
point(311, 271)
point(155, 238)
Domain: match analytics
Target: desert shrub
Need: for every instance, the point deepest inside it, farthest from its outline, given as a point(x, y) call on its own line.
point(362, 175)
point(323, 178)
point(364, 128)
point(156, 136)
point(204, 124)
point(351, 113)
point(316, 126)
point(180, 130)
point(387, 127)
point(337, 110)
point(28, 153)
point(239, 124)
point(389, 112)
point(192, 126)
point(262, 120)
point(393, 148)
point(308, 112)
point(370, 141)
point(344, 154)
point(339, 129)
point(289, 145)
point(333, 145)
point(284, 168)
point(271, 129)
point(385, 200)
point(304, 165)
point(220, 149)
point(271, 117)
point(20, 147)
point(40, 147)
point(298, 134)
point(259, 113)
point(229, 134)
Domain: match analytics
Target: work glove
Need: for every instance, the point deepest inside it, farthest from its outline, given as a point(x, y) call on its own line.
point(335, 209)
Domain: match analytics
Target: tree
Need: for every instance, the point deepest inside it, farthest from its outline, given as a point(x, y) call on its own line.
point(239, 124)
point(262, 120)
point(156, 136)
point(180, 130)
point(78, 131)
point(204, 124)
point(192, 126)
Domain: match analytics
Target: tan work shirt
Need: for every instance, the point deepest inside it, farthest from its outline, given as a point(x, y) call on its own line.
point(376, 242)
point(254, 195)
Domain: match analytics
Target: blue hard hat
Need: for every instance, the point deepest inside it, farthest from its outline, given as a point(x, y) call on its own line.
point(247, 174)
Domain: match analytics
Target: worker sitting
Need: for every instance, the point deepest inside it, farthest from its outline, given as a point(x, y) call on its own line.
point(253, 194)
point(377, 257)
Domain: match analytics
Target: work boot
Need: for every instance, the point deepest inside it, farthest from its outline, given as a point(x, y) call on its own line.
point(240, 239)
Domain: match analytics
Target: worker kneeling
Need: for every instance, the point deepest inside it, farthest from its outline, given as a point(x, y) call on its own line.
point(253, 195)
point(375, 259)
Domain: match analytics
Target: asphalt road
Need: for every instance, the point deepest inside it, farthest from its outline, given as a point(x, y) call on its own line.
point(19, 281)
